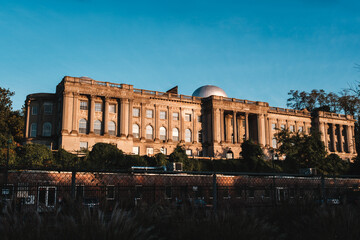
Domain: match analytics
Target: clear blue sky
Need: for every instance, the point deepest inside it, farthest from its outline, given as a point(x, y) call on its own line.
point(256, 50)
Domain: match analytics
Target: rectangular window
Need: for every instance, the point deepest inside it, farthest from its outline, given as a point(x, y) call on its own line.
point(83, 145)
point(33, 130)
point(98, 107)
point(300, 129)
point(48, 108)
point(274, 144)
point(136, 112)
point(273, 126)
point(34, 110)
point(163, 150)
point(149, 151)
point(46, 197)
point(291, 128)
point(149, 113)
point(112, 108)
point(282, 126)
point(176, 116)
point(188, 152)
point(200, 139)
point(136, 150)
point(110, 192)
point(83, 105)
point(188, 117)
point(162, 115)
point(199, 118)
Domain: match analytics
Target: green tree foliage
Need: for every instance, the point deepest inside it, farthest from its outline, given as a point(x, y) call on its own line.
point(34, 155)
point(105, 156)
point(179, 155)
point(64, 159)
point(253, 158)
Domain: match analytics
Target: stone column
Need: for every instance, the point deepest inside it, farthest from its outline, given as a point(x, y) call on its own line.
point(222, 129)
point(261, 135)
point(27, 122)
point(235, 127)
point(124, 121)
point(326, 136)
point(181, 132)
point(130, 135)
point(169, 132)
point(106, 116)
point(76, 109)
point(247, 126)
point(118, 133)
point(66, 114)
point(340, 138)
point(228, 118)
point(323, 132)
point(156, 128)
point(349, 138)
point(215, 125)
point(267, 130)
point(92, 113)
point(333, 145)
point(194, 131)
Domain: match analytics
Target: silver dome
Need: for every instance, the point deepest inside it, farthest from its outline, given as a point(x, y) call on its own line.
point(209, 90)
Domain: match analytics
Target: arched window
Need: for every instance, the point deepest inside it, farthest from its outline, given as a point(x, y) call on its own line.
point(162, 133)
point(46, 131)
point(136, 131)
point(175, 134)
point(149, 132)
point(82, 126)
point(112, 128)
point(33, 130)
point(229, 155)
point(97, 127)
point(188, 135)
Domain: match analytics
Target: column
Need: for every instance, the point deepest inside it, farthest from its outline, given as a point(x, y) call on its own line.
point(124, 121)
point(222, 131)
point(118, 133)
point(27, 122)
point(106, 116)
point(235, 127)
point(228, 129)
point(66, 114)
point(326, 136)
point(156, 128)
point(323, 132)
point(76, 108)
point(215, 125)
point(267, 130)
point(261, 135)
point(130, 135)
point(349, 138)
point(340, 138)
point(333, 145)
point(194, 131)
point(92, 113)
point(247, 126)
point(169, 132)
point(181, 132)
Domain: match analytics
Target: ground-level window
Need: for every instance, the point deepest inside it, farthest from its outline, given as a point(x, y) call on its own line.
point(229, 155)
point(149, 151)
point(163, 150)
point(83, 145)
point(46, 197)
point(136, 150)
point(188, 152)
point(274, 143)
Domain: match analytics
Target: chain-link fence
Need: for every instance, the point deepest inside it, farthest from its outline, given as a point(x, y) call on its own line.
point(45, 190)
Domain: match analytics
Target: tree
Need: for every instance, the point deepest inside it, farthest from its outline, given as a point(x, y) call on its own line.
point(105, 156)
point(64, 159)
point(34, 155)
point(253, 156)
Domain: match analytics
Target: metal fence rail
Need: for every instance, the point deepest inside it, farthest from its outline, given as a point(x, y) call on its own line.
point(45, 190)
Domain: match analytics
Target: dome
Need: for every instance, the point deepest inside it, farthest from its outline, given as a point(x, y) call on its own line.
point(209, 90)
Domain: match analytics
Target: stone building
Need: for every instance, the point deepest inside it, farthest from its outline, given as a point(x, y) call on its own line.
point(83, 112)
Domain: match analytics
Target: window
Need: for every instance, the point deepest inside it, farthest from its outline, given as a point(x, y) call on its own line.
point(136, 131)
point(136, 112)
point(229, 155)
point(149, 132)
point(200, 139)
point(188, 117)
point(162, 115)
point(48, 108)
point(176, 116)
point(136, 150)
point(149, 151)
point(112, 128)
point(112, 108)
point(188, 135)
point(46, 132)
point(163, 150)
point(162, 133)
point(149, 113)
point(33, 130)
point(291, 128)
point(83, 145)
point(188, 152)
point(300, 129)
point(199, 118)
point(273, 126)
point(282, 126)
point(34, 110)
point(110, 192)
point(175, 134)
point(83, 105)
point(82, 126)
point(274, 143)
point(98, 107)
point(97, 127)
point(46, 197)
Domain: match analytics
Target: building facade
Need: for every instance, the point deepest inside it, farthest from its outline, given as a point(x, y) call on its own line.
point(83, 112)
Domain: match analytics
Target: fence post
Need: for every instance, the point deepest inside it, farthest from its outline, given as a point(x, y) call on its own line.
point(214, 192)
point(73, 182)
point(323, 197)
